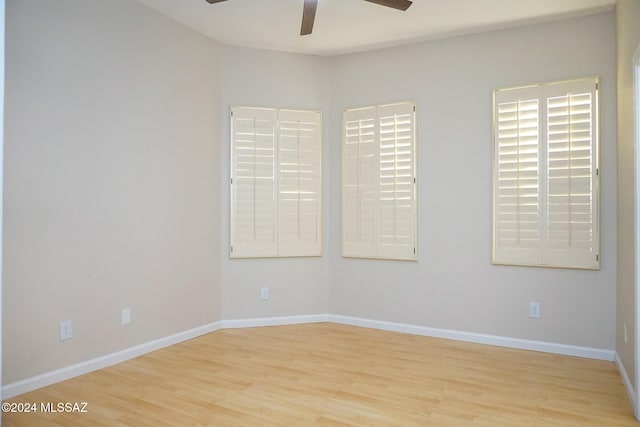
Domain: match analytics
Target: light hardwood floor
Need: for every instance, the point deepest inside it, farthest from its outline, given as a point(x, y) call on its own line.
point(336, 375)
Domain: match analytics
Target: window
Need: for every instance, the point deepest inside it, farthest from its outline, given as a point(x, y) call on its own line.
point(379, 182)
point(276, 183)
point(546, 175)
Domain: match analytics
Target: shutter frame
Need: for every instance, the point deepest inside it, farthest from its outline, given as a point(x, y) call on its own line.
point(512, 250)
point(397, 210)
point(379, 208)
point(358, 203)
point(305, 207)
point(582, 219)
point(277, 193)
point(569, 204)
point(252, 218)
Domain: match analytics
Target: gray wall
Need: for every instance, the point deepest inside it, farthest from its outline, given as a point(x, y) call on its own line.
point(111, 185)
point(453, 285)
point(2, 60)
point(298, 286)
point(628, 38)
point(117, 167)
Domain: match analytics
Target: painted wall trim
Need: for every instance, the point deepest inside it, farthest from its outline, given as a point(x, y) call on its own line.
point(33, 383)
point(546, 347)
point(635, 63)
point(274, 321)
point(2, 78)
point(48, 378)
point(626, 380)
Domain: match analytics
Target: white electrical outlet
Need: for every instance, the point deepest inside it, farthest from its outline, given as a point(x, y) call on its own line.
point(66, 330)
point(125, 316)
point(534, 310)
point(264, 294)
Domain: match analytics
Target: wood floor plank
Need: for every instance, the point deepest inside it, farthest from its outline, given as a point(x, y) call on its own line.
point(327, 374)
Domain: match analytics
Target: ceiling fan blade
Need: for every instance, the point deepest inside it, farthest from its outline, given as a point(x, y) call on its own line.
point(396, 4)
point(308, 16)
point(214, 1)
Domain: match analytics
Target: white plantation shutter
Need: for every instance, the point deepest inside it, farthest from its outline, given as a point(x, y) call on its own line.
point(299, 190)
point(571, 235)
point(517, 176)
point(546, 175)
point(253, 190)
point(360, 181)
point(378, 174)
point(397, 181)
point(275, 183)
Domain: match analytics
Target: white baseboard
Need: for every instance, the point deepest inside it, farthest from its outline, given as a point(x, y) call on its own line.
point(627, 382)
point(273, 321)
point(33, 383)
point(546, 347)
point(43, 380)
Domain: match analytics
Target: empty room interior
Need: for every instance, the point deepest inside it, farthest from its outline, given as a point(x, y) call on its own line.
point(425, 216)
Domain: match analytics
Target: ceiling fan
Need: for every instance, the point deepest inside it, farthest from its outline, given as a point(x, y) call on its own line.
point(309, 10)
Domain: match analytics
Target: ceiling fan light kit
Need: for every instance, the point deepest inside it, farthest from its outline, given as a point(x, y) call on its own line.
point(310, 6)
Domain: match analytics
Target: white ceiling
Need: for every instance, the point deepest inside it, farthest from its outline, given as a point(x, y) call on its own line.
point(343, 26)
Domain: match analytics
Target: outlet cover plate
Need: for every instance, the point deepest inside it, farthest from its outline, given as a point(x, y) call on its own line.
point(534, 310)
point(66, 330)
point(125, 316)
